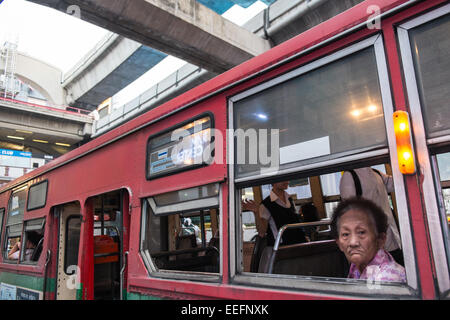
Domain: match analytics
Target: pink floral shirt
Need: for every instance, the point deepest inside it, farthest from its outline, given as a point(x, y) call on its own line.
point(382, 268)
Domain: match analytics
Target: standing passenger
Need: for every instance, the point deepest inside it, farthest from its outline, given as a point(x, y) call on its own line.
point(276, 211)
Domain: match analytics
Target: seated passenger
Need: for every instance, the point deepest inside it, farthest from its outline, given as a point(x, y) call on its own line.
point(32, 241)
point(359, 227)
point(374, 185)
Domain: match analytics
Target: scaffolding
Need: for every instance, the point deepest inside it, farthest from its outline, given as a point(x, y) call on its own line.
point(8, 82)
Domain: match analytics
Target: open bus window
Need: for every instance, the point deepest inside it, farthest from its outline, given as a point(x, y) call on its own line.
point(33, 240)
point(443, 162)
point(11, 243)
point(304, 127)
point(14, 223)
point(319, 255)
point(183, 235)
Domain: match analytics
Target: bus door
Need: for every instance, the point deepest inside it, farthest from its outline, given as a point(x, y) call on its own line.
point(110, 242)
point(69, 239)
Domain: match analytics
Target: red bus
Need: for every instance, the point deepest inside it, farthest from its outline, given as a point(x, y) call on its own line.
point(141, 213)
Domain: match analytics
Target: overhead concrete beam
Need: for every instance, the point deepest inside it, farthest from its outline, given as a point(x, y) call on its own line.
point(52, 123)
point(173, 85)
point(182, 28)
point(285, 19)
point(111, 65)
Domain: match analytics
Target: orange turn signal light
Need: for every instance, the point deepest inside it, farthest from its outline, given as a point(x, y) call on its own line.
point(405, 152)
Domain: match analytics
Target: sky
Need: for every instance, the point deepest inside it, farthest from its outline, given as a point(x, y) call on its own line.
point(62, 40)
point(49, 35)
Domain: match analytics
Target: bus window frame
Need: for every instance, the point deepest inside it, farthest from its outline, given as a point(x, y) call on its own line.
point(171, 129)
point(437, 232)
point(154, 272)
point(2, 214)
point(185, 206)
point(317, 283)
point(69, 218)
point(24, 231)
point(2, 219)
point(28, 196)
point(7, 226)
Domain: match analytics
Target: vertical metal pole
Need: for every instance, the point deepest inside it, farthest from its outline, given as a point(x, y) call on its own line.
point(102, 216)
point(202, 222)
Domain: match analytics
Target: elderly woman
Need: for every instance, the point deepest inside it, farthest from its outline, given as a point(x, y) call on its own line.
point(359, 227)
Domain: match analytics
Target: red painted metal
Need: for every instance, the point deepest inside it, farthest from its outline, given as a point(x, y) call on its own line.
point(413, 183)
point(86, 255)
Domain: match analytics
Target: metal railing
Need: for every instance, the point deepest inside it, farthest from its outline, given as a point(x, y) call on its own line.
point(291, 226)
point(63, 109)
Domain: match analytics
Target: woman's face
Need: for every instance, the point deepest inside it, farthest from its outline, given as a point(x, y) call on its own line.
point(281, 185)
point(357, 238)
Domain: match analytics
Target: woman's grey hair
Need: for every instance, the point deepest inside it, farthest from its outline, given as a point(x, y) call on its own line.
point(375, 213)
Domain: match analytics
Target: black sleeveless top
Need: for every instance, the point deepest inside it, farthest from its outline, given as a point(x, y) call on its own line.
point(281, 217)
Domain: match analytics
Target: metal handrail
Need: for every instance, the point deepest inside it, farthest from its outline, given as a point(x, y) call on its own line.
point(122, 273)
point(44, 286)
point(183, 251)
point(291, 226)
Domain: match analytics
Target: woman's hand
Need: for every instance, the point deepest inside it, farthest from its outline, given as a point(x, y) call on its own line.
point(249, 205)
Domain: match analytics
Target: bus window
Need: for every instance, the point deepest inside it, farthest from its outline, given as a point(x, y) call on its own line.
point(72, 240)
point(308, 129)
point(330, 188)
point(443, 161)
point(313, 118)
point(33, 240)
point(319, 254)
point(430, 47)
point(181, 230)
point(14, 223)
point(37, 196)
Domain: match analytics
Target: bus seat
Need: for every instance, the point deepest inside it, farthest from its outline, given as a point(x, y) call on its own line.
point(185, 242)
point(214, 242)
point(194, 262)
point(260, 244)
point(37, 251)
point(320, 258)
point(214, 254)
point(105, 249)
